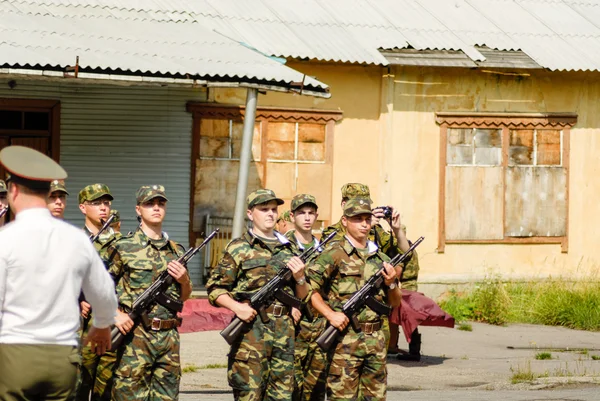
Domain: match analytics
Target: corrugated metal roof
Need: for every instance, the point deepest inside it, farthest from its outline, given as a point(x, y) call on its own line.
point(557, 34)
point(34, 37)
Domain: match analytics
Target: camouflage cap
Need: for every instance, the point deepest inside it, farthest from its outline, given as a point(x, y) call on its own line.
point(3, 187)
point(262, 196)
point(149, 192)
point(58, 186)
point(117, 215)
point(93, 192)
point(30, 168)
point(355, 190)
point(302, 199)
point(285, 216)
point(356, 206)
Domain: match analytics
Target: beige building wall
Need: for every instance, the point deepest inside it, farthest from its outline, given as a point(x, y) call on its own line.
point(421, 92)
point(389, 139)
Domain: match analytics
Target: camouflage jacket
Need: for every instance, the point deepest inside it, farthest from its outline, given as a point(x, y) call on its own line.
point(340, 271)
point(299, 247)
point(136, 262)
point(103, 242)
point(388, 244)
point(247, 265)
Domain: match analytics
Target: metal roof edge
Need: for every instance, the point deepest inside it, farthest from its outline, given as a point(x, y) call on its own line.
point(141, 80)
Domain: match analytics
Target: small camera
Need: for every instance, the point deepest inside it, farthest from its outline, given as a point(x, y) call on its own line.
point(387, 211)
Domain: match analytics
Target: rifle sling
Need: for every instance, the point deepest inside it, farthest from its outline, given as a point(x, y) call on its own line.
point(378, 307)
point(172, 304)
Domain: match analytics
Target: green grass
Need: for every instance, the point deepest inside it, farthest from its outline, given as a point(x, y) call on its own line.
point(194, 368)
point(465, 326)
point(541, 356)
point(550, 302)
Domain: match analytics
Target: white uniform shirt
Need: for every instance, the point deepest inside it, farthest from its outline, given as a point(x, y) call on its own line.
point(44, 264)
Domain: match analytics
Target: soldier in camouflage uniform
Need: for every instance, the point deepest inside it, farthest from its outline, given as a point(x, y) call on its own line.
point(284, 222)
point(261, 362)
point(358, 366)
point(310, 360)
point(95, 374)
point(57, 199)
point(391, 245)
point(3, 200)
point(149, 362)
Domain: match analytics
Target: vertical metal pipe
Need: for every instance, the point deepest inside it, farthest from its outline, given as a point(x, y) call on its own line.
point(239, 213)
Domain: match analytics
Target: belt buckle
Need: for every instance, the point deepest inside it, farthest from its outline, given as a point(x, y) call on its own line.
point(368, 328)
point(277, 310)
point(156, 324)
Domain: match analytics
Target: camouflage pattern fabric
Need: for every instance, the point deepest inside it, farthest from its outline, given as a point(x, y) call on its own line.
point(358, 365)
point(93, 192)
point(388, 244)
point(3, 188)
point(355, 190)
point(310, 361)
point(149, 368)
point(301, 200)
point(95, 372)
point(149, 192)
point(260, 364)
point(285, 216)
point(58, 186)
point(149, 361)
point(262, 196)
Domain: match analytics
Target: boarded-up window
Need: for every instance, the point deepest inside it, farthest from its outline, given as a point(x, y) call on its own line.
point(291, 154)
point(505, 179)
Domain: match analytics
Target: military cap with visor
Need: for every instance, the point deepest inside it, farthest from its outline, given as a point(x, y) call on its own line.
point(357, 206)
point(148, 192)
point(301, 200)
point(58, 186)
point(3, 189)
point(30, 168)
point(355, 190)
point(262, 196)
point(285, 216)
point(94, 191)
point(117, 215)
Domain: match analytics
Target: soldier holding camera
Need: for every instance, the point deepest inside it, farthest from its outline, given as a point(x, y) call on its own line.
point(390, 243)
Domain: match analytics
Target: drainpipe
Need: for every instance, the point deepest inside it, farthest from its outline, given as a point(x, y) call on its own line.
point(239, 213)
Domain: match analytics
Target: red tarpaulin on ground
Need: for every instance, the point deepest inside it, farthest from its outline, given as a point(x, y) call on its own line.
point(418, 310)
point(199, 315)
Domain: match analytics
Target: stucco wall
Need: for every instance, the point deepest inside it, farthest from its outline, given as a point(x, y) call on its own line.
point(420, 92)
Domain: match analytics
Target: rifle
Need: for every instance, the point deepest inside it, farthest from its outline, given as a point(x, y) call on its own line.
point(105, 226)
point(155, 294)
point(264, 297)
point(3, 211)
point(364, 297)
point(93, 238)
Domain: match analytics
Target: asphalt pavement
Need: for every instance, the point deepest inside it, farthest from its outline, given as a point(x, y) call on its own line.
point(476, 365)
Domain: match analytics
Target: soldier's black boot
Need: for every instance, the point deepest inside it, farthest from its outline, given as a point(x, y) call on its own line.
point(414, 348)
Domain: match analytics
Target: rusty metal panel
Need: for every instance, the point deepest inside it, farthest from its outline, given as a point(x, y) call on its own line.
point(536, 201)
point(473, 206)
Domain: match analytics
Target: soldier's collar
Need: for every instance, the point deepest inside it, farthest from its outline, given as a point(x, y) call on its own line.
point(349, 246)
point(253, 238)
point(145, 240)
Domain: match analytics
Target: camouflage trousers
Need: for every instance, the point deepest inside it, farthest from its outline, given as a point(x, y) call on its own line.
point(149, 367)
point(310, 362)
point(358, 368)
point(95, 375)
point(261, 364)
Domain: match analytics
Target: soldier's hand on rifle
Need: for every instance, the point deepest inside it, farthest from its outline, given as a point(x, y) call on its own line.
point(85, 309)
point(178, 271)
point(123, 322)
point(338, 320)
point(390, 273)
point(244, 312)
point(296, 265)
point(296, 315)
point(99, 339)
